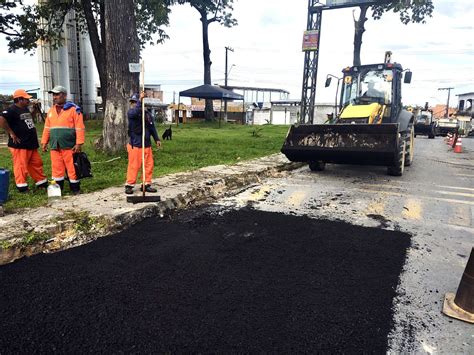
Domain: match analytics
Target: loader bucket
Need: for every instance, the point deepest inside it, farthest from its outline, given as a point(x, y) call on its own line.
point(362, 144)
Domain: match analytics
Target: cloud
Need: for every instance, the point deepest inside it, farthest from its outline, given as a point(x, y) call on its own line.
point(267, 49)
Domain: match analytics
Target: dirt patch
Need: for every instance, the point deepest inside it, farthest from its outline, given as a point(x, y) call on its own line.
point(210, 281)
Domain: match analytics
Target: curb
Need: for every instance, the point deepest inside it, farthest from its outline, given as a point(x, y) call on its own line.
point(63, 227)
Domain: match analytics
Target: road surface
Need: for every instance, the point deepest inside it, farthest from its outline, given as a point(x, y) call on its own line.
point(345, 260)
point(433, 201)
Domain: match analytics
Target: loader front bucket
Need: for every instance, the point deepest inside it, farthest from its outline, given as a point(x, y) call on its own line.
point(362, 144)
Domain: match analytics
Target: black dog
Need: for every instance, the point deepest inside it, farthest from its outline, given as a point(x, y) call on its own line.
point(167, 134)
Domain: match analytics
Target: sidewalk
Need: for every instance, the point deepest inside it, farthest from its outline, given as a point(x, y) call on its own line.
point(77, 220)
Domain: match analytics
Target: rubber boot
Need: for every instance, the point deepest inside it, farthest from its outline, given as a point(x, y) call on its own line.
point(75, 187)
point(44, 185)
point(22, 189)
point(61, 184)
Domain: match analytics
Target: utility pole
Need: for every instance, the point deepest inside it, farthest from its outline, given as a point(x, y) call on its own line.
point(227, 49)
point(447, 105)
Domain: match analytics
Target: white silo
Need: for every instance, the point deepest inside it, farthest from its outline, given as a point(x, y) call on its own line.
point(72, 66)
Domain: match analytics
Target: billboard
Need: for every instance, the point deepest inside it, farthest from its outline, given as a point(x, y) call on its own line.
point(310, 40)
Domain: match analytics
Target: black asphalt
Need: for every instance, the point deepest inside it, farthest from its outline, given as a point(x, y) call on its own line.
point(208, 281)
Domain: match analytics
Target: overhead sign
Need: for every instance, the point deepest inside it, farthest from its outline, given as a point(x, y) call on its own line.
point(134, 67)
point(347, 3)
point(310, 40)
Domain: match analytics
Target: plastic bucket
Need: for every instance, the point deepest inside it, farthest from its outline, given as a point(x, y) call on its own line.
point(4, 184)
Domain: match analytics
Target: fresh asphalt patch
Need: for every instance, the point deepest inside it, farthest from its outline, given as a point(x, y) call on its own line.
point(209, 281)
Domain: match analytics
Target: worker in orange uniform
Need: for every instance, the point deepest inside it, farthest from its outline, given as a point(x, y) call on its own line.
point(64, 130)
point(23, 142)
point(134, 147)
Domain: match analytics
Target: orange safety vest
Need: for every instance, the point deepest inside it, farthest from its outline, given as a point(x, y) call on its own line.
point(63, 130)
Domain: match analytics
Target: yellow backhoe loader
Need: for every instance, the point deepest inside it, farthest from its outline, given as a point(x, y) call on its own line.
point(372, 127)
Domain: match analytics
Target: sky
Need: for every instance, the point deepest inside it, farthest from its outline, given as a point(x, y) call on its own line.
point(267, 50)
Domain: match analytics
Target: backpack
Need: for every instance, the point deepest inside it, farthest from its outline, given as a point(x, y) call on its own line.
point(82, 165)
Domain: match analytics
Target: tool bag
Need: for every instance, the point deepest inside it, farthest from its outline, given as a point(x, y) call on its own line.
point(82, 165)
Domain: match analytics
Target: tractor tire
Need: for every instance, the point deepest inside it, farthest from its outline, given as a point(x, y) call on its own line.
point(399, 165)
point(432, 133)
point(317, 165)
point(410, 146)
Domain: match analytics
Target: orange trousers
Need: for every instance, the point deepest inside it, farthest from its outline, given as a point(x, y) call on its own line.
point(27, 161)
point(62, 161)
point(135, 164)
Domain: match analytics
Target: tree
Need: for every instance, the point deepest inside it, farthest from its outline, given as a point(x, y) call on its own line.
point(211, 11)
point(415, 11)
point(116, 38)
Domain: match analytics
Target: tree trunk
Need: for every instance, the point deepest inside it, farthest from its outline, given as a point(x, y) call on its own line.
point(209, 109)
point(122, 46)
point(97, 43)
point(359, 30)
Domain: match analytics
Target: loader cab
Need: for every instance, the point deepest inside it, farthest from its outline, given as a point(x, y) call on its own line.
point(424, 117)
point(373, 84)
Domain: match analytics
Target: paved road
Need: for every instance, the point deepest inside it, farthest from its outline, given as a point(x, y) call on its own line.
point(229, 278)
point(433, 201)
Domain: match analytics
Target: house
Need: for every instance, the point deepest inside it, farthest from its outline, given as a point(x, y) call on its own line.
point(465, 103)
point(439, 111)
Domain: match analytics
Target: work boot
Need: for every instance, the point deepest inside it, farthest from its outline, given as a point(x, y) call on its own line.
point(75, 187)
point(23, 189)
point(128, 189)
point(148, 188)
point(61, 184)
point(44, 185)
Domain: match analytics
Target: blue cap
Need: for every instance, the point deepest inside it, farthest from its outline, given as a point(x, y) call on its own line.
point(135, 97)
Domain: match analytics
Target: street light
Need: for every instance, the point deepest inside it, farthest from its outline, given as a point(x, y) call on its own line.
point(227, 49)
point(327, 83)
point(230, 69)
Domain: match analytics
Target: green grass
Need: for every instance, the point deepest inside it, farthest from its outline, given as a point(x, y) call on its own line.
point(194, 145)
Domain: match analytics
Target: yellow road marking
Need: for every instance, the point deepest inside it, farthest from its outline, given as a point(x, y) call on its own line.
point(296, 198)
point(381, 185)
point(449, 200)
point(456, 188)
point(376, 207)
point(412, 209)
point(455, 193)
point(461, 216)
point(464, 175)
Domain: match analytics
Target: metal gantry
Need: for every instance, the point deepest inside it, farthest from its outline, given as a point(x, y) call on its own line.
point(315, 10)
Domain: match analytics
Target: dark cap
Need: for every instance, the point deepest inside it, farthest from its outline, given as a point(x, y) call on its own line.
point(135, 98)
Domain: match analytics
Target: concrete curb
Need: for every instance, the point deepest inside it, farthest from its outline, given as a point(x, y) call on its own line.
point(78, 220)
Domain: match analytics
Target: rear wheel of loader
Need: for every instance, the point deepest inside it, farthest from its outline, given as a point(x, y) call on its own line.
point(431, 135)
point(410, 146)
point(317, 165)
point(399, 166)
